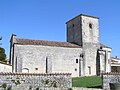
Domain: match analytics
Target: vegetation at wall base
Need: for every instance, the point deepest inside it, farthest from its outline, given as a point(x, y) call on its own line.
point(87, 82)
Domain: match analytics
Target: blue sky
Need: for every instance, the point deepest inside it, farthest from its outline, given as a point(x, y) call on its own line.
point(45, 19)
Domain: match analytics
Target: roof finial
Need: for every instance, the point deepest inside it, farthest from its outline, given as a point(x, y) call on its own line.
point(1, 39)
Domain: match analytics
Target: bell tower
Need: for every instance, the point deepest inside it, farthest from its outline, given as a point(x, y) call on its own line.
point(84, 31)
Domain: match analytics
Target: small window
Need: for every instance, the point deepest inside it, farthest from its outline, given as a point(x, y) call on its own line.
point(90, 25)
point(76, 60)
point(75, 69)
point(89, 70)
point(100, 47)
point(73, 25)
point(36, 68)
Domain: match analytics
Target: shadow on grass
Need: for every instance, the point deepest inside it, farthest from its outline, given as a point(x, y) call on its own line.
point(95, 87)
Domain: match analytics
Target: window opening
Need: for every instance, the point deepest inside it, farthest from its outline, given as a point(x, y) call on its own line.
point(76, 60)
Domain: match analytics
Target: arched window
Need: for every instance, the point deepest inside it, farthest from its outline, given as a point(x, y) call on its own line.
point(25, 70)
point(90, 25)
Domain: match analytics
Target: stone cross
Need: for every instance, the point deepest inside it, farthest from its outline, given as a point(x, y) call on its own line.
point(0, 38)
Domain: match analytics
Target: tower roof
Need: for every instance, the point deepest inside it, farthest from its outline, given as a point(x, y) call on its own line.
point(83, 15)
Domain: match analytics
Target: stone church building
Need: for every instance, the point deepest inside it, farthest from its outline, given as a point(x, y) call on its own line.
point(81, 55)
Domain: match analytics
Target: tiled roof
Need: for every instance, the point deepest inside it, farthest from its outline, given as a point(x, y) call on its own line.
point(50, 43)
point(113, 61)
point(104, 46)
point(45, 43)
point(115, 58)
point(40, 74)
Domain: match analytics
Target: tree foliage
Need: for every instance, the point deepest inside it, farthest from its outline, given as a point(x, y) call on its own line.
point(2, 54)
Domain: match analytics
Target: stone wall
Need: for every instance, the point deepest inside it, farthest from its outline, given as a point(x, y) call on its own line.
point(39, 59)
point(105, 59)
point(77, 88)
point(5, 67)
point(90, 39)
point(35, 81)
point(110, 78)
point(74, 30)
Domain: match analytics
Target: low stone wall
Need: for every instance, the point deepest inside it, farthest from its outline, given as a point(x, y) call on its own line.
point(110, 78)
point(75, 88)
point(5, 67)
point(35, 81)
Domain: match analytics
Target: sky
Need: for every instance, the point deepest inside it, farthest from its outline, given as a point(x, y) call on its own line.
point(45, 19)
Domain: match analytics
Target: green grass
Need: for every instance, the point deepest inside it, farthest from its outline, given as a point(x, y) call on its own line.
point(88, 82)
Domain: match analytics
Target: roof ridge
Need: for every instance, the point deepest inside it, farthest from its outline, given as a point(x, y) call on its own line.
point(44, 40)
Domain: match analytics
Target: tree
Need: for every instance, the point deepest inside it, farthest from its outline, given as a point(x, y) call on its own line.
point(2, 54)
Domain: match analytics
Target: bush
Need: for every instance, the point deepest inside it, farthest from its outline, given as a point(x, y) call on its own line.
point(70, 89)
point(2, 54)
point(4, 85)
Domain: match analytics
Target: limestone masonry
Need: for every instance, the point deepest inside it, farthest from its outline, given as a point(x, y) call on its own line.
point(35, 81)
point(81, 55)
point(109, 79)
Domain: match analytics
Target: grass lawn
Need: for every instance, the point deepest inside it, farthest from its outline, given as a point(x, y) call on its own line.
point(88, 82)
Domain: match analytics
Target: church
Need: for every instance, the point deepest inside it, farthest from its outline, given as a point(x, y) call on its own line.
point(82, 54)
